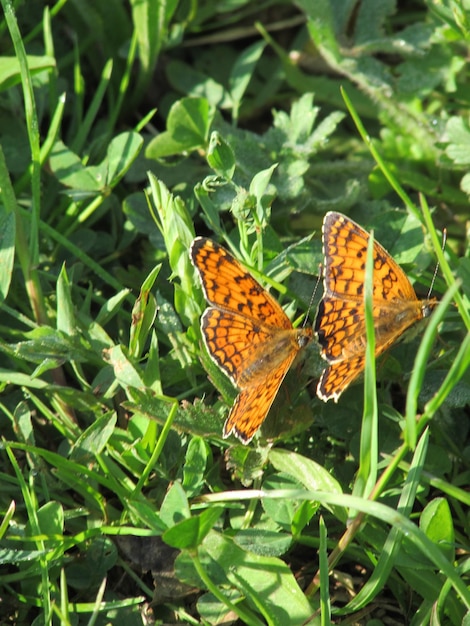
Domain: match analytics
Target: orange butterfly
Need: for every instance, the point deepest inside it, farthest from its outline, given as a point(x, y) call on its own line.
point(247, 334)
point(340, 322)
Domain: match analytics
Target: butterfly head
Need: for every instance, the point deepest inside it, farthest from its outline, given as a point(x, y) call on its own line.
point(428, 306)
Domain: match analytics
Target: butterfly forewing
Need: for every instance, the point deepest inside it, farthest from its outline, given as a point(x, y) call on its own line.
point(228, 286)
point(236, 343)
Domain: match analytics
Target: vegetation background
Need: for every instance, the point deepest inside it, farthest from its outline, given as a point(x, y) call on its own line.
point(127, 128)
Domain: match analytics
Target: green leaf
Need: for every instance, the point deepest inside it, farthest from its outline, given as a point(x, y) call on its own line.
point(151, 21)
point(51, 518)
point(220, 156)
point(47, 343)
point(242, 72)
point(259, 189)
point(188, 125)
point(298, 125)
point(436, 522)
point(266, 582)
point(189, 534)
point(175, 506)
point(70, 171)
point(195, 465)
point(371, 20)
point(111, 308)
point(281, 511)
point(23, 423)
point(260, 182)
point(144, 312)
point(263, 541)
point(94, 439)
point(310, 474)
point(66, 321)
point(125, 371)
point(10, 68)
point(321, 27)
point(193, 82)
point(7, 249)
point(120, 155)
point(458, 147)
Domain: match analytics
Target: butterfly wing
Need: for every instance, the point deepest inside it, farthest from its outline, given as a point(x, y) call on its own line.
point(233, 341)
point(229, 287)
point(338, 376)
point(345, 248)
point(339, 326)
point(340, 322)
point(253, 403)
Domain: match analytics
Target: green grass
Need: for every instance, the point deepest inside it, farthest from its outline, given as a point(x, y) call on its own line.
point(125, 131)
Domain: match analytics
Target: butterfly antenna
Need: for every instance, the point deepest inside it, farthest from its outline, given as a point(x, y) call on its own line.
point(312, 297)
point(444, 240)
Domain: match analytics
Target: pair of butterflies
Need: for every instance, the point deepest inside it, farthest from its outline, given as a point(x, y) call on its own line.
point(252, 340)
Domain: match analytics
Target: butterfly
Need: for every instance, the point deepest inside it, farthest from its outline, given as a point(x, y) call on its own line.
point(246, 333)
point(340, 322)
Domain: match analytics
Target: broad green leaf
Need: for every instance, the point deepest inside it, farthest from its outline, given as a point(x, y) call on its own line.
point(458, 133)
point(260, 182)
point(220, 156)
point(436, 522)
point(125, 371)
point(71, 172)
point(10, 68)
point(23, 423)
point(188, 534)
point(51, 520)
point(121, 154)
point(281, 511)
point(94, 439)
point(266, 582)
point(263, 541)
point(175, 506)
point(310, 474)
point(195, 83)
point(188, 126)
point(195, 466)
